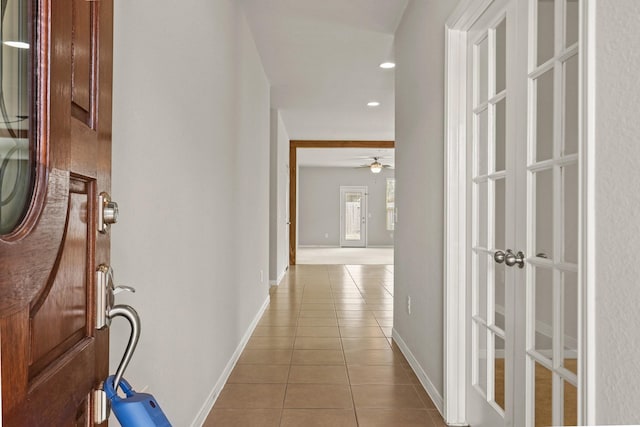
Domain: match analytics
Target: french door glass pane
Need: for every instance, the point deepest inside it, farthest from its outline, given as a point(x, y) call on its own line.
point(572, 22)
point(499, 373)
point(482, 142)
point(500, 133)
point(482, 61)
point(501, 56)
point(499, 296)
point(570, 212)
point(546, 27)
point(500, 214)
point(481, 361)
point(543, 396)
point(481, 310)
point(482, 215)
point(571, 69)
point(544, 311)
point(570, 405)
point(544, 214)
point(570, 287)
point(544, 116)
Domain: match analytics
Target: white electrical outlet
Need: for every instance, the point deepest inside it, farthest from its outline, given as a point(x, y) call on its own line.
point(409, 304)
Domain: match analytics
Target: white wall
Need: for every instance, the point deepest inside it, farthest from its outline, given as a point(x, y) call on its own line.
point(419, 47)
point(319, 204)
point(278, 199)
point(617, 212)
point(190, 139)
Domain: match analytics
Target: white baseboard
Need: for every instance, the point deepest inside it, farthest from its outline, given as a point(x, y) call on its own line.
point(420, 373)
point(317, 246)
point(217, 388)
point(280, 277)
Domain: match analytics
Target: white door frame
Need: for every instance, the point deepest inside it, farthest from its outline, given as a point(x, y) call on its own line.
point(455, 310)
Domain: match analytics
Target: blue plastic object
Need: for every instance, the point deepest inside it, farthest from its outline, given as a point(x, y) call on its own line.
point(135, 410)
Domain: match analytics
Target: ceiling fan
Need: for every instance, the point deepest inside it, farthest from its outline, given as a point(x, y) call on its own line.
point(376, 166)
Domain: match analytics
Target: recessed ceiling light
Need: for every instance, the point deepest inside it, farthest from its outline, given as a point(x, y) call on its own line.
point(387, 65)
point(373, 104)
point(16, 44)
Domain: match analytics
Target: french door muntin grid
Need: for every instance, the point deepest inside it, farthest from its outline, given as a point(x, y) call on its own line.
point(558, 164)
point(484, 327)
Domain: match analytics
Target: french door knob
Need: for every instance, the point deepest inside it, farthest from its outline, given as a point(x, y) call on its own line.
point(512, 259)
point(498, 257)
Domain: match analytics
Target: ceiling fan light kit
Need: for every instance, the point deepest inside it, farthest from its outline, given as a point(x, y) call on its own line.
point(376, 167)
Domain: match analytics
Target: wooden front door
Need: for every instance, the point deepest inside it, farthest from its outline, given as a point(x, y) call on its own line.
point(52, 357)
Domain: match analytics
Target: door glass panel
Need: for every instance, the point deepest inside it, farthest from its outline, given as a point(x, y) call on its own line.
point(572, 22)
point(570, 405)
point(500, 215)
point(570, 212)
point(499, 372)
point(482, 215)
point(482, 63)
point(570, 316)
point(544, 312)
point(501, 56)
point(544, 213)
point(543, 396)
point(481, 361)
point(571, 105)
point(16, 165)
point(500, 132)
point(352, 215)
point(499, 296)
point(482, 286)
point(546, 16)
point(482, 142)
point(544, 116)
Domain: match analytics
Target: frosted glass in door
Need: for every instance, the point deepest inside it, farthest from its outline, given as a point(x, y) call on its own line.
point(353, 216)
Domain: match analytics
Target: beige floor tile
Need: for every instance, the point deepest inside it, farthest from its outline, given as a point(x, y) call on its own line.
point(318, 418)
point(259, 374)
point(352, 307)
point(359, 323)
point(266, 357)
point(317, 307)
point(373, 357)
point(316, 300)
point(317, 331)
point(270, 343)
point(314, 374)
point(383, 323)
point(318, 357)
point(428, 403)
point(379, 374)
point(317, 313)
point(318, 321)
point(257, 396)
point(278, 321)
point(365, 344)
point(387, 331)
point(243, 418)
point(358, 332)
point(318, 396)
point(386, 396)
point(437, 418)
point(354, 314)
point(317, 343)
point(275, 331)
point(394, 418)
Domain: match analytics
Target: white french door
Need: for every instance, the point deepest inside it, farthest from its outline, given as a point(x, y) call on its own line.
point(523, 210)
point(353, 217)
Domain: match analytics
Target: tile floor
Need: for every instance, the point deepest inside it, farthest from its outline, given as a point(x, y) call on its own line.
point(322, 356)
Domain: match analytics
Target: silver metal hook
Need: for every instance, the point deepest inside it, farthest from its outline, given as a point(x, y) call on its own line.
point(131, 315)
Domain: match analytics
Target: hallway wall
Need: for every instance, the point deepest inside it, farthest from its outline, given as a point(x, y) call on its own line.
point(419, 47)
point(278, 199)
point(617, 203)
point(191, 132)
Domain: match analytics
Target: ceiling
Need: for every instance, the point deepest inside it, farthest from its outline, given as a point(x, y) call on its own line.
point(344, 157)
point(322, 58)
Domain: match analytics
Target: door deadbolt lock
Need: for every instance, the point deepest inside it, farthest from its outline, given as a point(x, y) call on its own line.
point(107, 212)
